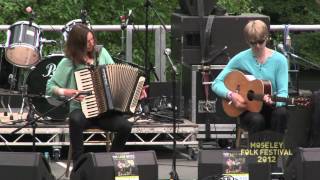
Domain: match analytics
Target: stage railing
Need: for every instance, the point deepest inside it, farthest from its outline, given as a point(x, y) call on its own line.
point(160, 38)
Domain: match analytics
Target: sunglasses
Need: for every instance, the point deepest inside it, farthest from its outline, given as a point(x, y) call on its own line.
point(261, 41)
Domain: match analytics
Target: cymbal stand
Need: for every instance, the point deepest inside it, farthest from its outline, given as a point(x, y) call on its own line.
point(123, 20)
point(12, 81)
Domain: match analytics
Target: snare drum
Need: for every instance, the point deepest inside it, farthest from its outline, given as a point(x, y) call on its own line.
point(23, 44)
point(37, 81)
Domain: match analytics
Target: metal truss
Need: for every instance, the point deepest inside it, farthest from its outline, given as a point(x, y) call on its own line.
point(142, 134)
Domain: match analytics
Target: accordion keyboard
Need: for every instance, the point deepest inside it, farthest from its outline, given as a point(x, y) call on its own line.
point(89, 104)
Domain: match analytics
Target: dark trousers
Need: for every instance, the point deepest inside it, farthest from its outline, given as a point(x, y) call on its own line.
point(110, 121)
point(271, 118)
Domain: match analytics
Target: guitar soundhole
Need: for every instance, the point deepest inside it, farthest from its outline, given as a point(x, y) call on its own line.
point(250, 95)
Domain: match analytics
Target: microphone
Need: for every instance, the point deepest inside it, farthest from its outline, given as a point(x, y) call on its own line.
point(167, 51)
point(282, 50)
point(30, 11)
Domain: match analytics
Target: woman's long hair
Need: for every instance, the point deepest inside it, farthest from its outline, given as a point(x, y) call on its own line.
point(76, 45)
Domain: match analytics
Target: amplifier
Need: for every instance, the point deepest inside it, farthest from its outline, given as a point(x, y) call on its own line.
point(226, 31)
point(206, 112)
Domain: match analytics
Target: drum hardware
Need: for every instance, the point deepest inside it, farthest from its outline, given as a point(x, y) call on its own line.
point(67, 28)
point(32, 119)
point(36, 82)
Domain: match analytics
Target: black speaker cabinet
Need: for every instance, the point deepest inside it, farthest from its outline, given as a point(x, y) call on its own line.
point(308, 164)
point(99, 166)
point(298, 127)
point(211, 162)
point(226, 31)
point(24, 165)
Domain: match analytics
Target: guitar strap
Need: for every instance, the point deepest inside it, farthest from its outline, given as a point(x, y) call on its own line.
point(205, 34)
point(207, 37)
point(205, 80)
point(204, 46)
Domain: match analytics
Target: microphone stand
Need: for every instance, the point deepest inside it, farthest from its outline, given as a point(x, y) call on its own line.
point(173, 173)
point(304, 61)
point(146, 49)
point(33, 121)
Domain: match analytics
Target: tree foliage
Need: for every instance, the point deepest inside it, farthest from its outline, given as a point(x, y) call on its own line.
point(107, 12)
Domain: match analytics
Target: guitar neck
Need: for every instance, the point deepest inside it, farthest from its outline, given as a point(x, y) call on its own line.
point(259, 97)
point(301, 101)
point(283, 99)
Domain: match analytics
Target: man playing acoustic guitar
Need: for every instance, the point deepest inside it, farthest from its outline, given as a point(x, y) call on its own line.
point(265, 64)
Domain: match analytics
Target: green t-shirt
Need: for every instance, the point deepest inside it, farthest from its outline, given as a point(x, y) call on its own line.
point(63, 77)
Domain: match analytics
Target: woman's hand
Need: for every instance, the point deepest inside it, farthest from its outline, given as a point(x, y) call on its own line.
point(143, 93)
point(238, 101)
point(73, 92)
point(267, 99)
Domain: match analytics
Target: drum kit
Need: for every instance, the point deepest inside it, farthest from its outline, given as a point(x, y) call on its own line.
point(23, 54)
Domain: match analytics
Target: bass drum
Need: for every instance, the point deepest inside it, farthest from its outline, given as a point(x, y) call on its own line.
point(37, 81)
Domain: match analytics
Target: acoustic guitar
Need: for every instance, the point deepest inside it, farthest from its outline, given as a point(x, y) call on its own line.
point(253, 90)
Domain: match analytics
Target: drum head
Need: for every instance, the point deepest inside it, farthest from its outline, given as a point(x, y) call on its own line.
point(37, 81)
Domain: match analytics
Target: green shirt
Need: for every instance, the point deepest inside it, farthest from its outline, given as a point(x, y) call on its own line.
point(63, 77)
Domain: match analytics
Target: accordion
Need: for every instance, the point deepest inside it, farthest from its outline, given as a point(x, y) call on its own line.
point(114, 87)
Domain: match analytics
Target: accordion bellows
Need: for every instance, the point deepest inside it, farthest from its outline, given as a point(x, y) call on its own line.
point(114, 87)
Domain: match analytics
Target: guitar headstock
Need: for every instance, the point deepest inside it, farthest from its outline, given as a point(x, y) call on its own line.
point(301, 101)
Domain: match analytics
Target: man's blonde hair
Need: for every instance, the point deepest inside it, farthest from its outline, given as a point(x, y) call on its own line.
point(255, 30)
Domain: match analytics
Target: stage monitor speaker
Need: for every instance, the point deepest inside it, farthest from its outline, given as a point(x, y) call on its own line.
point(306, 165)
point(190, 7)
point(210, 165)
point(99, 166)
point(24, 165)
